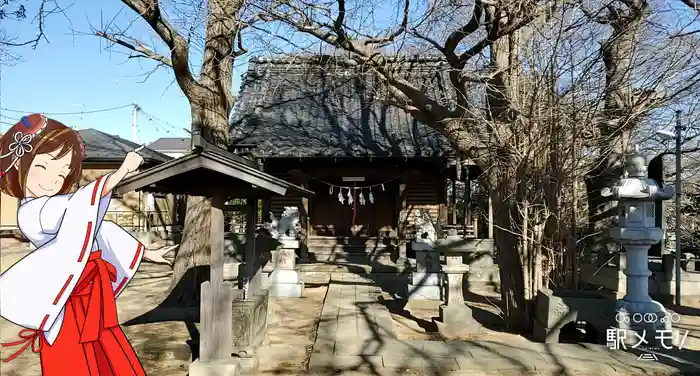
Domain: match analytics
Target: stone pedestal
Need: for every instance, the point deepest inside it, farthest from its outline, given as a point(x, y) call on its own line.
point(285, 279)
point(426, 280)
point(249, 328)
point(637, 312)
point(225, 367)
point(455, 316)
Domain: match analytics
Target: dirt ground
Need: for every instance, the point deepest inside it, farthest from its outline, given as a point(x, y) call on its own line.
point(416, 320)
point(292, 325)
point(162, 347)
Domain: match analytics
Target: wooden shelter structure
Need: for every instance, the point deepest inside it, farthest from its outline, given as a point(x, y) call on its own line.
point(220, 175)
point(329, 125)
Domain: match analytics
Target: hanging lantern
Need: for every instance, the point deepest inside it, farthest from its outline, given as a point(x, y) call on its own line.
point(382, 187)
point(341, 198)
point(330, 190)
point(351, 200)
point(361, 198)
point(371, 196)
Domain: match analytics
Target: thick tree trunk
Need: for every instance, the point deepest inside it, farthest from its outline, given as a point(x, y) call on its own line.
point(191, 265)
point(512, 270)
point(615, 128)
point(502, 181)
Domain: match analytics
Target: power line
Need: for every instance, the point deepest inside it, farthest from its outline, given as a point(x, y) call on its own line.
point(154, 118)
point(69, 113)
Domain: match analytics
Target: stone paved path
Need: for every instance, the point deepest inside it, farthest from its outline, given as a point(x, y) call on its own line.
point(355, 334)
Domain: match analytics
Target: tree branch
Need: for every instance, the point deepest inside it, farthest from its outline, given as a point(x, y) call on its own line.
point(20, 14)
point(179, 48)
point(400, 30)
point(458, 35)
point(136, 46)
point(693, 4)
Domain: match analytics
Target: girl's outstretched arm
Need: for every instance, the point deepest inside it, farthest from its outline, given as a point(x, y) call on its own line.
point(131, 163)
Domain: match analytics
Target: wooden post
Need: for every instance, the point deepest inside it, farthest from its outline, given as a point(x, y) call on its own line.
point(401, 222)
point(217, 243)
point(266, 208)
point(467, 200)
point(216, 309)
point(250, 279)
point(206, 321)
point(453, 202)
point(490, 218)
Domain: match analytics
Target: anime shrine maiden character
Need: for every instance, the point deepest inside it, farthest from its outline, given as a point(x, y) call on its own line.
point(63, 293)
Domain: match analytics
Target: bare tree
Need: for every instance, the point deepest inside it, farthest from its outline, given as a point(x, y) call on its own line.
point(544, 93)
point(483, 133)
point(12, 12)
point(212, 30)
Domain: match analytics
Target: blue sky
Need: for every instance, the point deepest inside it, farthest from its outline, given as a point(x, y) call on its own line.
point(74, 73)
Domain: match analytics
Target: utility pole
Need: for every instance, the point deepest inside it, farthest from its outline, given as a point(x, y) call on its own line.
point(135, 123)
point(679, 129)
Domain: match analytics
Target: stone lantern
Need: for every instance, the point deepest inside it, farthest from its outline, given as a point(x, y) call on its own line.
point(635, 230)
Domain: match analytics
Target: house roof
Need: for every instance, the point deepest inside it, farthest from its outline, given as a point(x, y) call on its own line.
point(171, 144)
point(328, 106)
point(231, 175)
point(101, 147)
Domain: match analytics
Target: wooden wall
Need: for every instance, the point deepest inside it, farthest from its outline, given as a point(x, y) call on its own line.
point(278, 203)
point(426, 193)
point(423, 192)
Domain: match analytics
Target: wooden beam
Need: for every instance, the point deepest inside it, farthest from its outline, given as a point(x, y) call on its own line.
point(467, 199)
point(217, 242)
point(258, 181)
point(401, 221)
point(453, 202)
point(216, 306)
point(490, 218)
point(306, 221)
point(249, 282)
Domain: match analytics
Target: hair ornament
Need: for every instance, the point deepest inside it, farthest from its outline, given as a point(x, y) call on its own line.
point(21, 141)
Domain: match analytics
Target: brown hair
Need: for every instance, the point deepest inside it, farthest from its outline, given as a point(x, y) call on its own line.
point(52, 137)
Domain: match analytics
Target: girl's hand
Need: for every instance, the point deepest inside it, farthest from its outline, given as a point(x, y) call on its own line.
point(156, 256)
point(133, 160)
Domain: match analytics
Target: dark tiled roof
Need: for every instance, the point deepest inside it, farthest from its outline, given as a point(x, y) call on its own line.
point(103, 147)
point(167, 144)
point(324, 106)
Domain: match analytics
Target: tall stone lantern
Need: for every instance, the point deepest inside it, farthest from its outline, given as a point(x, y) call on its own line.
point(635, 230)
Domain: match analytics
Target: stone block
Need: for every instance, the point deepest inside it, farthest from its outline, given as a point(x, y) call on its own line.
point(249, 365)
point(225, 367)
point(427, 261)
point(456, 319)
point(541, 333)
point(554, 309)
point(690, 266)
point(289, 290)
point(418, 292)
point(284, 276)
point(426, 279)
point(249, 327)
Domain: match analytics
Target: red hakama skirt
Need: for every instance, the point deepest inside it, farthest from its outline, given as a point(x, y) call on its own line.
point(90, 341)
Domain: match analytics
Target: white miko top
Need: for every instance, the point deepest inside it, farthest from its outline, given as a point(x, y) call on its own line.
point(64, 229)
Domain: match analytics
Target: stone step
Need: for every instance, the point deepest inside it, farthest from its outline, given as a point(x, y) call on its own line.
point(326, 241)
point(351, 247)
point(347, 257)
